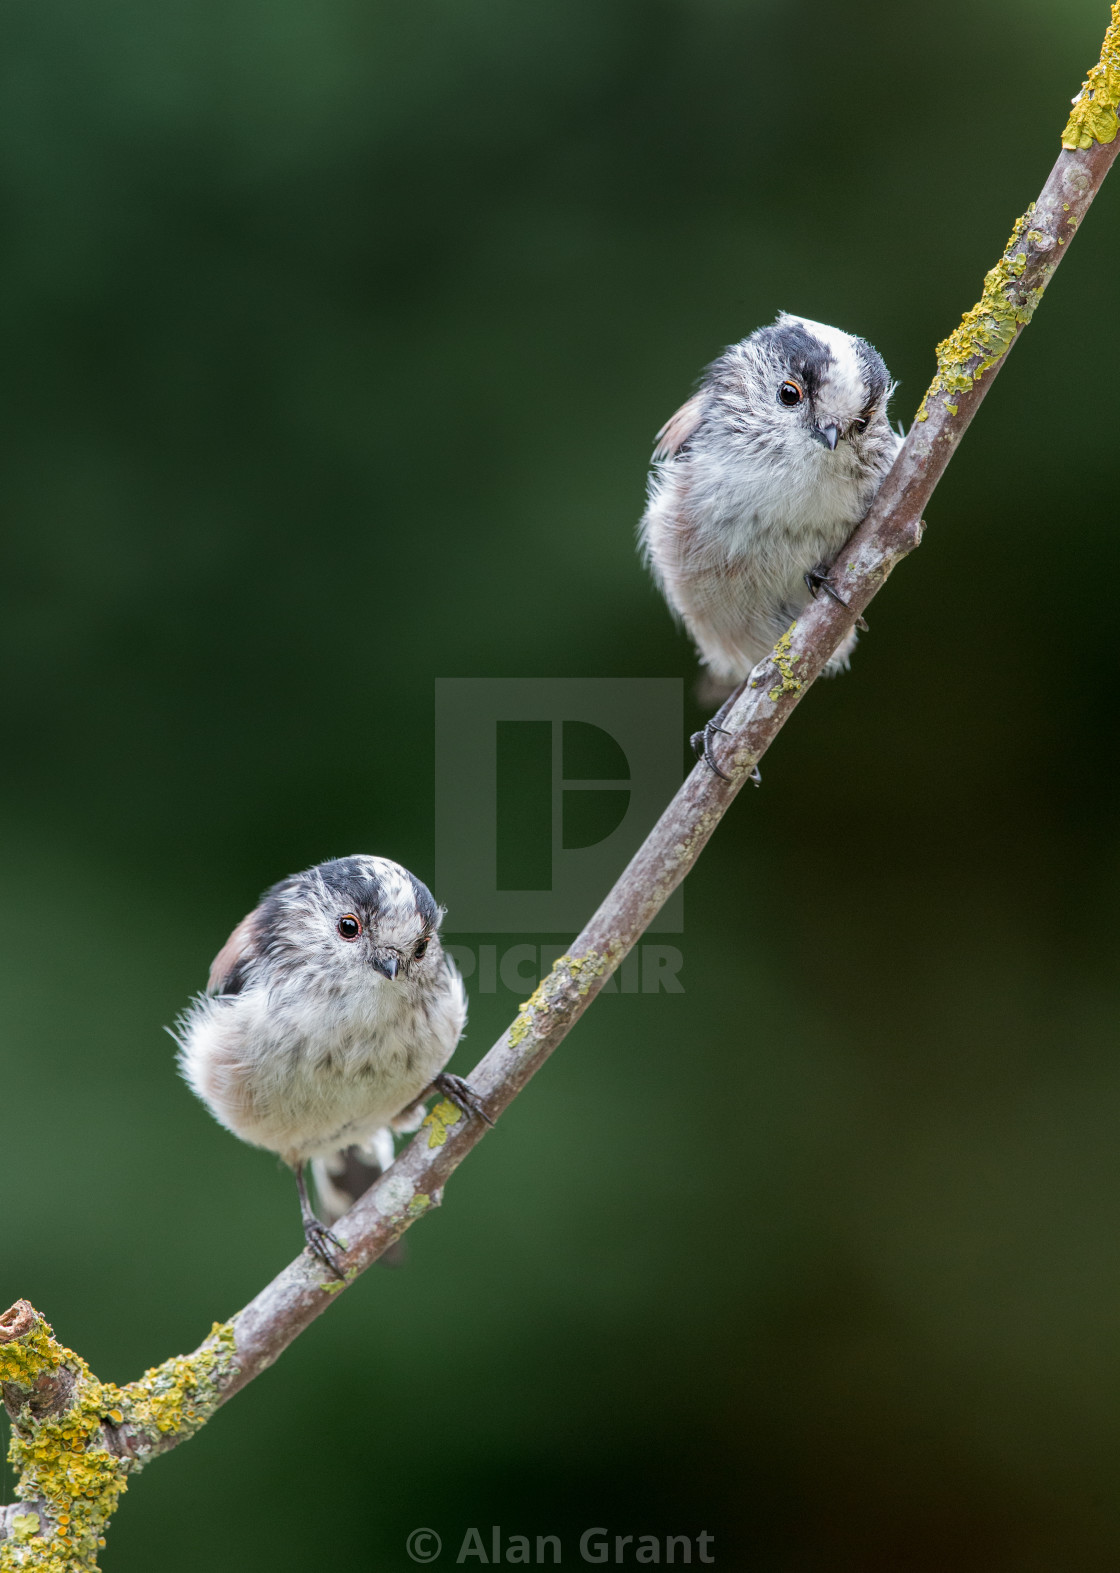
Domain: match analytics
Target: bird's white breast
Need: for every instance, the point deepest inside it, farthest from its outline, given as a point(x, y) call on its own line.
point(731, 544)
point(305, 1073)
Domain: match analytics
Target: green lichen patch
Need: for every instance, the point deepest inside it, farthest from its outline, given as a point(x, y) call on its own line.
point(181, 1394)
point(439, 1121)
point(36, 1354)
point(334, 1285)
point(987, 331)
point(784, 661)
point(64, 1461)
point(580, 970)
point(1093, 117)
point(537, 1001)
point(585, 969)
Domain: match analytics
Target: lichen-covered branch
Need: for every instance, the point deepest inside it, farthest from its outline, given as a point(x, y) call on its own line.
point(1094, 118)
point(76, 1439)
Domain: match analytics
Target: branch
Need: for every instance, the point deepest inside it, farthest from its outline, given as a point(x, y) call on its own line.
point(75, 1439)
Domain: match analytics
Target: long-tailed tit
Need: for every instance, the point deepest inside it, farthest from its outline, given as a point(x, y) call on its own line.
point(329, 1015)
point(757, 482)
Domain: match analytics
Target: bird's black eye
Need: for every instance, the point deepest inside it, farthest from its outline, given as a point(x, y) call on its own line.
point(420, 949)
point(861, 424)
point(349, 927)
point(789, 394)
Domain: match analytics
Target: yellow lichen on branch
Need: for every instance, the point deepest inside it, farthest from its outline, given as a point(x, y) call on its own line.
point(63, 1461)
point(1094, 118)
point(444, 1115)
point(582, 971)
point(987, 331)
point(70, 1476)
point(537, 1001)
point(784, 661)
point(179, 1396)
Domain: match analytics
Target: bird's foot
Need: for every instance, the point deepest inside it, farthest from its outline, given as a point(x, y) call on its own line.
point(462, 1095)
point(817, 579)
point(320, 1241)
point(702, 747)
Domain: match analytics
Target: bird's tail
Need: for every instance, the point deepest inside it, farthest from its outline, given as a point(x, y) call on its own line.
point(346, 1175)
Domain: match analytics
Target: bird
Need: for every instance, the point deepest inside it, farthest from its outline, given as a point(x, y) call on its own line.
point(756, 482)
point(328, 1018)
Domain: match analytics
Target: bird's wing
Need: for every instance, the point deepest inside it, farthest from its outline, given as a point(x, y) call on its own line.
point(227, 968)
point(679, 428)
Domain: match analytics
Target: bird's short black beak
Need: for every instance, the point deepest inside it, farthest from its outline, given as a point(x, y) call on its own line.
point(829, 435)
point(388, 966)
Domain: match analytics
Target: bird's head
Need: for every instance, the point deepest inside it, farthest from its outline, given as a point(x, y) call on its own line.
point(352, 922)
point(810, 390)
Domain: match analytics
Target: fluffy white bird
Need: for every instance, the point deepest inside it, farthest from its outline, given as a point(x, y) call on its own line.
point(757, 482)
point(330, 1012)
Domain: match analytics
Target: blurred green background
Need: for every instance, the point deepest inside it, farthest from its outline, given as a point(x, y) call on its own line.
point(333, 339)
